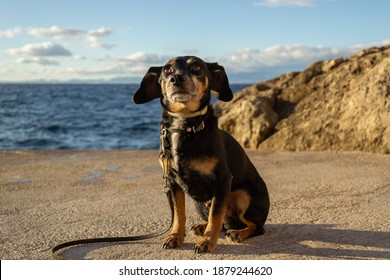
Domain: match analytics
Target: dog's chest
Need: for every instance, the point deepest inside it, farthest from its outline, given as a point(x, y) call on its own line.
point(191, 169)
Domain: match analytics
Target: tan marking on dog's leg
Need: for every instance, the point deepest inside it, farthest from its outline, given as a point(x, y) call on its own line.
point(214, 226)
point(236, 236)
point(239, 202)
point(204, 165)
point(179, 222)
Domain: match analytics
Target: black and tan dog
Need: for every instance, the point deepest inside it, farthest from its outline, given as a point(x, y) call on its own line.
point(201, 160)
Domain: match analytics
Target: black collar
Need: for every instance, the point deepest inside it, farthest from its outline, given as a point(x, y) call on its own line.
point(195, 122)
point(189, 115)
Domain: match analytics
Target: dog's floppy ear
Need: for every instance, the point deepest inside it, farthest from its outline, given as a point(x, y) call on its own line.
point(150, 87)
point(219, 83)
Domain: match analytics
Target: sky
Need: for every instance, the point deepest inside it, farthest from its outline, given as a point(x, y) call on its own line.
point(118, 40)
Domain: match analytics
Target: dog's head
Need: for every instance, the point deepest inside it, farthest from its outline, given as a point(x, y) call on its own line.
point(184, 84)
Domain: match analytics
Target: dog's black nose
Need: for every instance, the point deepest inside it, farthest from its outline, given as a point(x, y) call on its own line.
point(177, 79)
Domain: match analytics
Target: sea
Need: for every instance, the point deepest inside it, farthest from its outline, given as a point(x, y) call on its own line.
point(78, 117)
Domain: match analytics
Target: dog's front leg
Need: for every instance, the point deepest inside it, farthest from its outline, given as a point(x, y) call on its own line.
point(214, 225)
point(176, 238)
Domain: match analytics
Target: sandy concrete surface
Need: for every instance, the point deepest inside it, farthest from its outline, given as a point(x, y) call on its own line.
point(323, 206)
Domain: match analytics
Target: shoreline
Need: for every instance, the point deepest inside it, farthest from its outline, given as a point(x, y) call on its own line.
point(324, 205)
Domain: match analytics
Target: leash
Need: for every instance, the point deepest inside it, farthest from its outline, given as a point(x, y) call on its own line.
point(55, 250)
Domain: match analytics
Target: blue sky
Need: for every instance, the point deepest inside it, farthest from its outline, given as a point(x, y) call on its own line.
point(253, 39)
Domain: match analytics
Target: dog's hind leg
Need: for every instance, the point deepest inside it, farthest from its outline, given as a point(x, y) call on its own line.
point(238, 235)
point(199, 229)
point(239, 202)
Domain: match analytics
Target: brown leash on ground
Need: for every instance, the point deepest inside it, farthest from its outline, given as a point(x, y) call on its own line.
point(55, 250)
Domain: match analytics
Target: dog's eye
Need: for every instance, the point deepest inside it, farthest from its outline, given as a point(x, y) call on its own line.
point(168, 70)
point(195, 68)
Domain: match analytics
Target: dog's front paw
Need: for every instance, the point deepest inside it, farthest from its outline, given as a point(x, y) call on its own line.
point(204, 245)
point(173, 241)
point(198, 229)
point(233, 236)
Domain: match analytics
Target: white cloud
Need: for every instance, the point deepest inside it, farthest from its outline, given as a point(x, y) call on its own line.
point(98, 33)
point(286, 57)
point(10, 33)
point(41, 49)
point(135, 64)
point(139, 60)
point(95, 43)
point(249, 60)
point(105, 70)
point(38, 60)
point(93, 37)
point(285, 3)
point(146, 58)
point(55, 32)
point(79, 57)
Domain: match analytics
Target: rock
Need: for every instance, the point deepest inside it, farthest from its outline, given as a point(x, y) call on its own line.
point(340, 105)
point(330, 64)
point(252, 119)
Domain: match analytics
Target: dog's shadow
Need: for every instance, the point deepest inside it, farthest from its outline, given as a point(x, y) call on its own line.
point(289, 241)
point(315, 241)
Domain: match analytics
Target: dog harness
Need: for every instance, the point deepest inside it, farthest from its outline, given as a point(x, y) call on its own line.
point(165, 155)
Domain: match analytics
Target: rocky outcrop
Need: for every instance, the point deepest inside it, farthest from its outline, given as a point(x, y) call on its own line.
point(341, 104)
